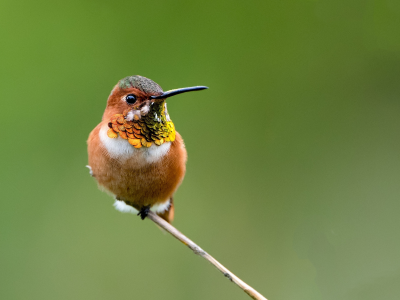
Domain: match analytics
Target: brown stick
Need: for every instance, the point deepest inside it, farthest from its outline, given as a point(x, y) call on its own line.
point(197, 250)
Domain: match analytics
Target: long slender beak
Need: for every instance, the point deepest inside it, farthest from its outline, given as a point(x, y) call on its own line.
point(178, 91)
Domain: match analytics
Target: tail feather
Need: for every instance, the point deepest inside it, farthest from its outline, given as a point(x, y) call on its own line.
point(168, 215)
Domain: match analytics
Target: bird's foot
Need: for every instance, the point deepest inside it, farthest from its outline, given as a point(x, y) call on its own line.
point(144, 211)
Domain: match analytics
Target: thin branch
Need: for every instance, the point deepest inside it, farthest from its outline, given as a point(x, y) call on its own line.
point(197, 250)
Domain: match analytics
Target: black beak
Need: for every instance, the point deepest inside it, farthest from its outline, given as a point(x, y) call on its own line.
point(178, 91)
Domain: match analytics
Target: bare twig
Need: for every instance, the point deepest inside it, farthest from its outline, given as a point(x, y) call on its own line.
point(197, 250)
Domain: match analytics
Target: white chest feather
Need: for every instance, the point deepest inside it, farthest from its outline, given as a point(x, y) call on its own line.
point(120, 149)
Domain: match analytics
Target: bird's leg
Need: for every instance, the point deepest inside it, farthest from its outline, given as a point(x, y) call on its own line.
point(144, 211)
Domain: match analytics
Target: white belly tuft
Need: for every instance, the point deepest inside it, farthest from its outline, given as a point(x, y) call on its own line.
point(125, 208)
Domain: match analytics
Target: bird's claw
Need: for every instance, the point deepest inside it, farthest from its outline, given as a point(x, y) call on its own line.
point(144, 211)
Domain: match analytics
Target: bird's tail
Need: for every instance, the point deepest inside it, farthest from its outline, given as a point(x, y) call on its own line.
point(168, 215)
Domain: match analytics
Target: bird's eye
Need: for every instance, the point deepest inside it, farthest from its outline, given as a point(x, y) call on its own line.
point(130, 99)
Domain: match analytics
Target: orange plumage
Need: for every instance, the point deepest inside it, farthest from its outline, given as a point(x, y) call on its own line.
point(135, 152)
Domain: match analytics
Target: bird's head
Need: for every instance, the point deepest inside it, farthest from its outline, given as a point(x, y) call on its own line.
point(137, 95)
point(137, 99)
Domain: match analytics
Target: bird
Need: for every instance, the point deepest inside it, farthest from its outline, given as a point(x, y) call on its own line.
point(134, 153)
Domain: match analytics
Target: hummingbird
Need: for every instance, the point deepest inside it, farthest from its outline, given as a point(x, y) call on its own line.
point(135, 153)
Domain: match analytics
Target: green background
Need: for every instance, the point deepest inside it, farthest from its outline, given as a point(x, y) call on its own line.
point(293, 173)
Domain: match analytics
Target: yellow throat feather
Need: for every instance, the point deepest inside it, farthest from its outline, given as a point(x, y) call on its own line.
point(143, 129)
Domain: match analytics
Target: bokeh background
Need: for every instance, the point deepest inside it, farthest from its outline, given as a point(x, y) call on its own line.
point(293, 172)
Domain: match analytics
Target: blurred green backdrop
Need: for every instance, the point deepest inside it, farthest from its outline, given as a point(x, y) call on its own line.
point(293, 172)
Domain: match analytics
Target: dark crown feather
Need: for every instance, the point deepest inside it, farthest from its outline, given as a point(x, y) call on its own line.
point(144, 84)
